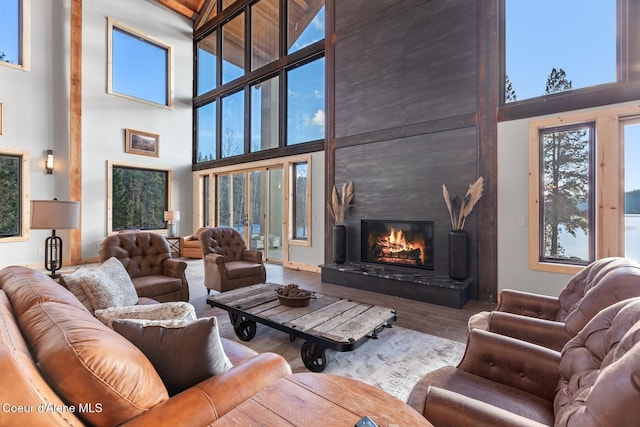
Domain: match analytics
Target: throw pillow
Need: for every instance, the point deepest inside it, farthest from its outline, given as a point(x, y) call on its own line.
point(114, 269)
point(163, 311)
point(107, 287)
point(72, 282)
point(183, 353)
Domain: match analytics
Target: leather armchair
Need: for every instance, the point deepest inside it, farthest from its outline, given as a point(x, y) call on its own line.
point(147, 259)
point(552, 321)
point(508, 382)
point(190, 247)
point(228, 264)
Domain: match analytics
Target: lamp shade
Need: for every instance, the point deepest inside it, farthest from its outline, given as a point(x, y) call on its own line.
point(172, 215)
point(54, 214)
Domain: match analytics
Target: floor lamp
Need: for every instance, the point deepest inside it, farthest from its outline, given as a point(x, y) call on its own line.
point(54, 215)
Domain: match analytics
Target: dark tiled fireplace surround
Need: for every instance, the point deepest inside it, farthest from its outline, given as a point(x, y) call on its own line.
point(405, 271)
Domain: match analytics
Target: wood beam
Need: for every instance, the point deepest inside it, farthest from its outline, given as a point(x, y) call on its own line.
point(75, 126)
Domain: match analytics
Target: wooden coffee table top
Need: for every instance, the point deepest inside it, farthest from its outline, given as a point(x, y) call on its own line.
point(309, 399)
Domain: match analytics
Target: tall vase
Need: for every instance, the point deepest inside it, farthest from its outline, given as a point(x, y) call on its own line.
point(458, 254)
point(339, 244)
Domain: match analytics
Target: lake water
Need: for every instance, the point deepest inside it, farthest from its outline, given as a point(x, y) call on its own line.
point(577, 246)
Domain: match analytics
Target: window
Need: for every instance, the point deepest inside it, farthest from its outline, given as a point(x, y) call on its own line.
point(566, 208)
point(258, 63)
point(583, 188)
point(305, 102)
point(14, 209)
point(138, 197)
point(574, 36)
point(14, 33)
point(300, 201)
point(139, 67)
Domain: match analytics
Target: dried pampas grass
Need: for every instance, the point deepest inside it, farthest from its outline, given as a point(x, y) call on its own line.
point(339, 205)
point(459, 211)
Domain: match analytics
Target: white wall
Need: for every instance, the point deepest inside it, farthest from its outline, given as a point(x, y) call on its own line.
point(36, 114)
point(310, 257)
point(513, 214)
point(105, 116)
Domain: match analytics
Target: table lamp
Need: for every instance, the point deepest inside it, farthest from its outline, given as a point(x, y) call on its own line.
point(54, 215)
point(171, 217)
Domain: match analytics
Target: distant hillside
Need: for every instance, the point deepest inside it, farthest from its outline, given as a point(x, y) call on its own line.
point(632, 202)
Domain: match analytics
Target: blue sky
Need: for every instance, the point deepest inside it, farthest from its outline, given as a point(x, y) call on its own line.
point(9, 13)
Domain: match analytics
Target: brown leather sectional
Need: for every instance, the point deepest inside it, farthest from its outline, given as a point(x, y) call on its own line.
point(60, 366)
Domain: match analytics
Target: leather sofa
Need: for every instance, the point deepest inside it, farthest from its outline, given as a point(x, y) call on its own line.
point(551, 321)
point(508, 382)
point(147, 259)
point(190, 247)
point(60, 366)
point(228, 264)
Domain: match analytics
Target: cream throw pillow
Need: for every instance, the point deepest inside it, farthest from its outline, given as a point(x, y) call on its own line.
point(179, 311)
point(184, 353)
point(72, 282)
point(109, 286)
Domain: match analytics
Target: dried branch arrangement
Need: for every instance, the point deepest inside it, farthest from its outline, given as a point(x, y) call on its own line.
point(460, 210)
point(339, 205)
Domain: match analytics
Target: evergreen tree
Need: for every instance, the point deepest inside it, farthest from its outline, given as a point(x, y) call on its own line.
point(566, 176)
point(509, 92)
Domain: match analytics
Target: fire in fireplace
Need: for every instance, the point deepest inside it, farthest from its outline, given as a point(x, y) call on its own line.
point(403, 243)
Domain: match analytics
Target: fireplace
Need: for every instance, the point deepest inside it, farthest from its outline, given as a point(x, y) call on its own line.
point(397, 243)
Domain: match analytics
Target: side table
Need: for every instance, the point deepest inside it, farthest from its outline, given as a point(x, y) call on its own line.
point(309, 400)
point(175, 244)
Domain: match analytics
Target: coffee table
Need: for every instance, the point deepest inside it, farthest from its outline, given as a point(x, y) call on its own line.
point(310, 399)
point(327, 323)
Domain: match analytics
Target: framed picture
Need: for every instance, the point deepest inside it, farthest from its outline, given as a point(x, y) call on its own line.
point(138, 142)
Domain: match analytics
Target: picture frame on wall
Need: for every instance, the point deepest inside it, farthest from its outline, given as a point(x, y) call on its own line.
point(143, 143)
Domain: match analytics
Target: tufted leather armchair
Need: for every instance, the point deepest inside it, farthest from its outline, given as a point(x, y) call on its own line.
point(542, 319)
point(228, 264)
point(507, 382)
point(190, 247)
point(147, 259)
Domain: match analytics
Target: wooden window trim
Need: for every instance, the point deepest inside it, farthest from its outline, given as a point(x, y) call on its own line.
point(111, 24)
point(110, 166)
point(608, 175)
point(25, 208)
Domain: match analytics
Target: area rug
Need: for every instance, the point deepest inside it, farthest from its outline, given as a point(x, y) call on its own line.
point(394, 362)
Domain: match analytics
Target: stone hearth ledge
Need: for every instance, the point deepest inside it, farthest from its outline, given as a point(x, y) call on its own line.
point(425, 287)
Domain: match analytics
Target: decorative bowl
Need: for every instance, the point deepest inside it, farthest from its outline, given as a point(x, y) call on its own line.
point(292, 296)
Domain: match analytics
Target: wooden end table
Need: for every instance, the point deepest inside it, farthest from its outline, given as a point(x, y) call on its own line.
point(309, 399)
point(327, 323)
point(175, 245)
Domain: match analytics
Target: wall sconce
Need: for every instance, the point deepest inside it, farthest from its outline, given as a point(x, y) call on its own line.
point(171, 217)
point(54, 215)
point(49, 162)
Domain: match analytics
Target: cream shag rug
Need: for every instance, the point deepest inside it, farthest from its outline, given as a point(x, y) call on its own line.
point(394, 362)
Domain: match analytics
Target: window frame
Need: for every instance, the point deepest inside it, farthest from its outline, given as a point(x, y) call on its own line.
point(115, 24)
point(247, 81)
point(608, 205)
point(24, 42)
point(110, 165)
point(293, 237)
point(25, 205)
point(626, 88)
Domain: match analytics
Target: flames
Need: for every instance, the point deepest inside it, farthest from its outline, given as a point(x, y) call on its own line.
point(396, 246)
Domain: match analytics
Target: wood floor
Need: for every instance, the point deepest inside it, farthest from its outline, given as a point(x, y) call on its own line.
point(445, 322)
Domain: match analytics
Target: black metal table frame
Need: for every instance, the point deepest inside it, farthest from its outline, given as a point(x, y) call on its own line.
point(313, 350)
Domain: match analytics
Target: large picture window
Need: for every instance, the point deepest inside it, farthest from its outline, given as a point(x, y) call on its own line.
point(139, 66)
point(584, 188)
point(14, 209)
point(14, 33)
point(138, 197)
point(257, 64)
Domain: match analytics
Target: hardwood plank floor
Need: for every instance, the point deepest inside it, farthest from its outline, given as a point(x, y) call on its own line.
point(445, 322)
